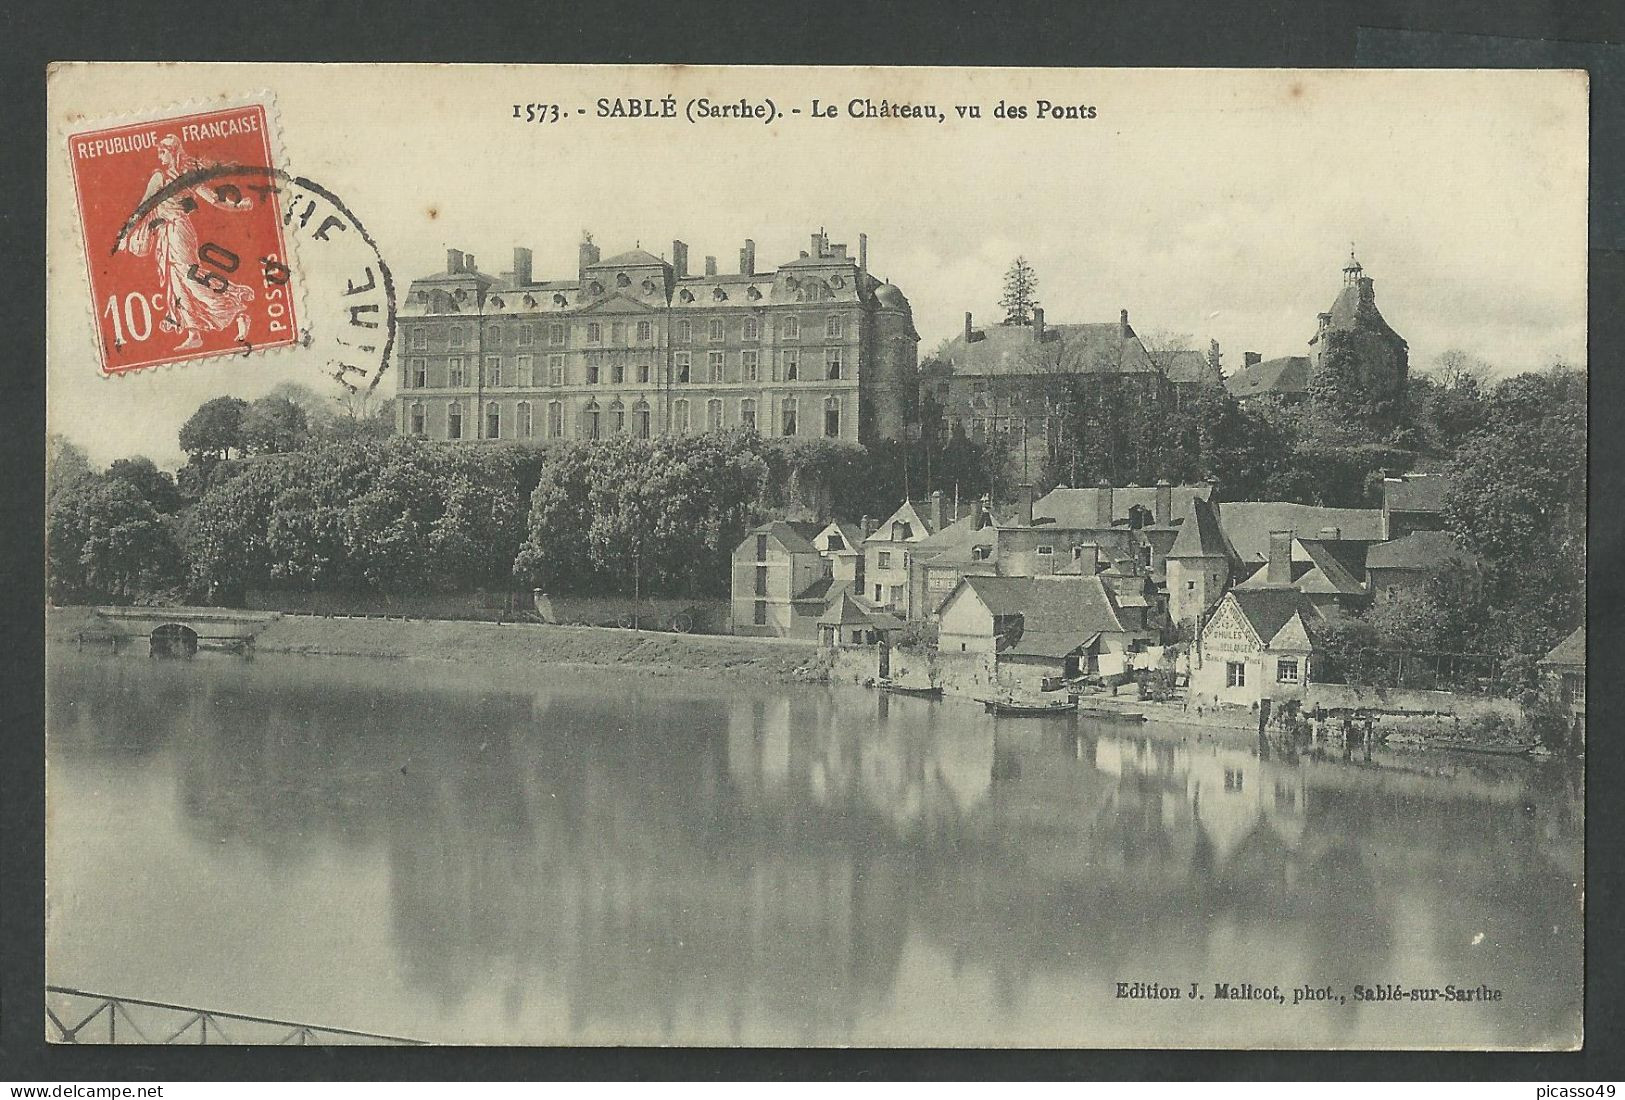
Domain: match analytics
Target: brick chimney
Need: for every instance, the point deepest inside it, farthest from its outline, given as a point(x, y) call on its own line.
point(587, 256)
point(1025, 493)
point(820, 244)
point(1251, 359)
point(984, 513)
point(521, 265)
point(1279, 569)
point(1368, 294)
point(868, 525)
point(939, 518)
point(1165, 503)
point(747, 258)
point(968, 329)
point(1038, 324)
point(1213, 355)
point(454, 261)
point(1122, 321)
point(1103, 504)
point(679, 259)
point(710, 265)
point(863, 253)
point(468, 262)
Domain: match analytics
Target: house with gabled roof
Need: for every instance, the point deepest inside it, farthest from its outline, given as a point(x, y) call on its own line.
point(1412, 502)
point(1037, 627)
point(1256, 645)
point(780, 581)
point(1403, 566)
point(888, 551)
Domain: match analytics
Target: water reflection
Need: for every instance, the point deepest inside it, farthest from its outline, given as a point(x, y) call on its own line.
point(468, 856)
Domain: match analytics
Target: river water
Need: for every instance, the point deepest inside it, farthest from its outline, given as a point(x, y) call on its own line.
point(552, 855)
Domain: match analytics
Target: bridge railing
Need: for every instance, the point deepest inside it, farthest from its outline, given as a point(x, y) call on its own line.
point(79, 1016)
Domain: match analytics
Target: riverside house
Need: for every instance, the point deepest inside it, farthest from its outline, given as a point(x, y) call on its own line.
point(780, 581)
point(1255, 646)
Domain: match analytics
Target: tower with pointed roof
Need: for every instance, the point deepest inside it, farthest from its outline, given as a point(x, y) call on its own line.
point(1358, 365)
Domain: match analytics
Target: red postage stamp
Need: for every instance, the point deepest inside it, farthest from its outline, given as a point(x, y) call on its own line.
point(185, 259)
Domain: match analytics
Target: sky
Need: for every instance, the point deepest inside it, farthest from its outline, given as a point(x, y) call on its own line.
point(1210, 204)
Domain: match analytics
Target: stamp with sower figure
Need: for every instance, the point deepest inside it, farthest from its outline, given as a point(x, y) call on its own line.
point(185, 261)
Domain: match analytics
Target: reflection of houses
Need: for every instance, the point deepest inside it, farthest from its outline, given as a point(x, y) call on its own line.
point(1036, 627)
point(1255, 646)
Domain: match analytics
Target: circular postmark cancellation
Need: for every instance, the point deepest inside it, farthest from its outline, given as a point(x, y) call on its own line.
point(348, 287)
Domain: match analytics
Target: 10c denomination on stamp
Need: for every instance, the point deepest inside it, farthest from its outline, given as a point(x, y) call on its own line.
point(183, 262)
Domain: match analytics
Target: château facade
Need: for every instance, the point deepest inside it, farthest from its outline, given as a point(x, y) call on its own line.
point(639, 345)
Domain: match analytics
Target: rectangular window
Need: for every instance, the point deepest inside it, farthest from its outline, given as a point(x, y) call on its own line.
point(456, 336)
point(527, 334)
point(1286, 795)
point(525, 426)
point(493, 421)
point(679, 416)
point(685, 331)
point(524, 372)
point(454, 371)
point(1235, 674)
point(832, 326)
point(1046, 549)
point(760, 613)
point(832, 364)
point(832, 418)
point(420, 339)
point(555, 370)
point(788, 421)
point(713, 414)
point(715, 359)
point(761, 547)
point(454, 421)
point(646, 331)
point(555, 333)
point(418, 374)
point(716, 329)
point(643, 367)
point(595, 332)
point(748, 369)
point(493, 370)
point(1286, 670)
point(1234, 780)
point(747, 413)
point(896, 595)
point(761, 580)
point(878, 593)
point(417, 420)
point(792, 364)
point(592, 372)
point(680, 366)
point(753, 329)
point(493, 336)
point(555, 420)
point(791, 328)
point(883, 560)
point(1190, 586)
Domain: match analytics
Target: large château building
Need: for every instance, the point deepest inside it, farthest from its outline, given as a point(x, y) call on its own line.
point(639, 345)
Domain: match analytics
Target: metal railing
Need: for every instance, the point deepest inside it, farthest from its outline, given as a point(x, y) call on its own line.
point(172, 1023)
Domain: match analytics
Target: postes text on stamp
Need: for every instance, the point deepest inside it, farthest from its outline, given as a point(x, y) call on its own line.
point(183, 262)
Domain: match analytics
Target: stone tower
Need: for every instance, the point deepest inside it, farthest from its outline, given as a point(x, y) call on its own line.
point(1358, 364)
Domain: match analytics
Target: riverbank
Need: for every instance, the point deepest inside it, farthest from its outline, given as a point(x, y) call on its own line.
point(513, 645)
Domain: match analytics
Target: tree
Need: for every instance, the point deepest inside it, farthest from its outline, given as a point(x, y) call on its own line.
point(157, 487)
point(273, 425)
point(215, 430)
point(105, 542)
point(1020, 292)
point(65, 463)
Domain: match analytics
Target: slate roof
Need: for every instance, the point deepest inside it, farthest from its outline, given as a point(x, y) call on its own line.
point(1571, 651)
point(1248, 524)
point(1287, 375)
point(843, 611)
point(1353, 309)
point(1067, 349)
point(1058, 614)
point(1190, 366)
point(637, 257)
point(1414, 493)
point(1201, 535)
point(818, 590)
point(1269, 609)
point(1075, 509)
point(795, 538)
point(1323, 574)
point(1419, 550)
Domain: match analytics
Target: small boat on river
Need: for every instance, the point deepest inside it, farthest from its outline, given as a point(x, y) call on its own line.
point(1120, 714)
point(1016, 708)
point(924, 691)
point(1478, 747)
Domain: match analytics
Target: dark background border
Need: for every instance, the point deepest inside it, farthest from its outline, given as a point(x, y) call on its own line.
point(1149, 33)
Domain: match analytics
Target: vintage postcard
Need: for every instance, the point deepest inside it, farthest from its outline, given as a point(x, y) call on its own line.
point(662, 555)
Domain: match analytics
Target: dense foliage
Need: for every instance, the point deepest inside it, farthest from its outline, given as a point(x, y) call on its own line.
point(106, 543)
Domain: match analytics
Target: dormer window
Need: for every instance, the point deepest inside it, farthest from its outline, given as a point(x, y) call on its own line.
point(496, 302)
point(596, 289)
point(754, 294)
point(560, 300)
point(719, 294)
point(623, 279)
point(648, 286)
point(687, 295)
point(529, 300)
